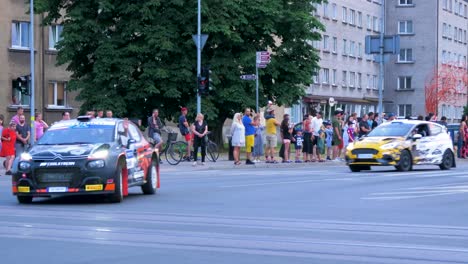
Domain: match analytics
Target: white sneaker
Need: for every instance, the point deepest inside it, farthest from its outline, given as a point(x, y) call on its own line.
point(194, 164)
point(336, 160)
point(203, 163)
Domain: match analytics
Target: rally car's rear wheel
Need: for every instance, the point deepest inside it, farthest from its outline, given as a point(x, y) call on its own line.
point(447, 160)
point(151, 184)
point(118, 195)
point(24, 199)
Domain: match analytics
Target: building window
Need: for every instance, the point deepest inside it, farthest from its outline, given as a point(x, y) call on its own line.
point(369, 81)
point(444, 56)
point(405, 2)
point(334, 11)
point(315, 77)
point(20, 35)
point(344, 14)
point(316, 44)
point(404, 110)
point(375, 81)
point(56, 94)
point(404, 83)
point(406, 55)
point(445, 4)
point(375, 22)
point(55, 35)
point(326, 76)
point(19, 96)
point(352, 17)
point(335, 45)
point(360, 19)
point(444, 30)
point(352, 48)
point(333, 77)
point(359, 80)
point(449, 33)
point(359, 50)
point(455, 8)
point(405, 27)
point(344, 80)
point(352, 79)
point(325, 42)
point(369, 22)
point(325, 10)
point(345, 47)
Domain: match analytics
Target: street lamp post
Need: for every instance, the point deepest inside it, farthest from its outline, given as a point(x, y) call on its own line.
point(31, 37)
point(199, 47)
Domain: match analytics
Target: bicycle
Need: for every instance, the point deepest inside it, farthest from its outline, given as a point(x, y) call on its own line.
point(173, 150)
point(211, 150)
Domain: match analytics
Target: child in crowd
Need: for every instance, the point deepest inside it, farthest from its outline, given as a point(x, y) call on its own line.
point(328, 138)
point(258, 143)
point(298, 140)
point(350, 132)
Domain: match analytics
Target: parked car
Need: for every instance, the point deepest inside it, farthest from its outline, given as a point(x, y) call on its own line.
point(87, 156)
point(402, 143)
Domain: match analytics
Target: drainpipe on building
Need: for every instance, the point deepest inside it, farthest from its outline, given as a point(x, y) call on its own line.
point(43, 48)
point(381, 63)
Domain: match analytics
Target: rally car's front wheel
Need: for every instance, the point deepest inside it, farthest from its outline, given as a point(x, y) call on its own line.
point(118, 195)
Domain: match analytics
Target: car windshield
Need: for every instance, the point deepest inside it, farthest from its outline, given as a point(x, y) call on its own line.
point(77, 135)
point(394, 129)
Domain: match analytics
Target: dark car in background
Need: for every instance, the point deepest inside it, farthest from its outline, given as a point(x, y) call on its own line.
point(87, 156)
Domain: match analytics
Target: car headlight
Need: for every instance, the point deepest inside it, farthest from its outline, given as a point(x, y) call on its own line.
point(100, 154)
point(24, 165)
point(96, 164)
point(389, 145)
point(26, 156)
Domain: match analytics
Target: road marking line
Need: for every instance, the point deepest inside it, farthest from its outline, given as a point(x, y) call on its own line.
point(407, 197)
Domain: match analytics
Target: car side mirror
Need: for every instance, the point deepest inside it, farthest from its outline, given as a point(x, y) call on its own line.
point(417, 136)
point(130, 142)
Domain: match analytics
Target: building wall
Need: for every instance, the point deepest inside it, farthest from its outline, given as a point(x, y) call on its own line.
point(15, 62)
point(347, 74)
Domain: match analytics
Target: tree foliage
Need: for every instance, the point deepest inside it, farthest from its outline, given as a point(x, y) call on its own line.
point(131, 55)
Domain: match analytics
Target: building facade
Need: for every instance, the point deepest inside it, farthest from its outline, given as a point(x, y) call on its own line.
point(347, 74)
point(51, 96)
point(432, 59)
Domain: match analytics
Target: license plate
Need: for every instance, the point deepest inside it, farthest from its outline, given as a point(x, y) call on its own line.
point(364, 156)
point(57, 189)
point(23, 189)
point(93, 187)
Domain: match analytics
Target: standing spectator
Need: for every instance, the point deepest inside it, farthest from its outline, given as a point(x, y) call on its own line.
point(443, 121)
point(286, 131)
point(238, 136)
point(199, 130)
point(19, 112)
point(184, 130)
point(2, 119)
point(8, 146)
point(391, 117)
point(364, 127)
point(154, 129)
point(328, 138)
point(316, 123)
point(66, 115)
point(100, 114)
point(258, 142)
point(307, 136)
point(345, 134)
point(337, 134)
point(463, 137)
point(22, 135)
point(109, 114)
point(271, 137)
point(90, 114)
point(351, 133)
point(298, 142)
point(376, 121)
point(249, 135)
point(40, 125)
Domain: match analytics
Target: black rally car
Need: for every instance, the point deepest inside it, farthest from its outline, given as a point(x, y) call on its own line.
point(87, 156)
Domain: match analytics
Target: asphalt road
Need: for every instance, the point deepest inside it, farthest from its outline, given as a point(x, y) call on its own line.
point(314, 213)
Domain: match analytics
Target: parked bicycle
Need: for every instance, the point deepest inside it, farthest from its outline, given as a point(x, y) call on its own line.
point(212, 150)
point(173, 150)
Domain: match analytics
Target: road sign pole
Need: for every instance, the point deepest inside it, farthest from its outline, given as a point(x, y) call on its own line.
point(198, 56)
point(381, 63)
point(256, 87)
point(32, 85)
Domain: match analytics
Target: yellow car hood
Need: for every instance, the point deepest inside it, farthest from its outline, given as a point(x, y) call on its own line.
point(375, 142)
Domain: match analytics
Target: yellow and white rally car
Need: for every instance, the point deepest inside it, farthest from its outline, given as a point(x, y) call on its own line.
point(402, 143)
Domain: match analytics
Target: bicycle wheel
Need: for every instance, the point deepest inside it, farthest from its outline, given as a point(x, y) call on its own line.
point(175, 152)
point(213, 153)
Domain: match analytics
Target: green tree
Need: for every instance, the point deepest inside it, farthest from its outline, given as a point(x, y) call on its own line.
point(131, 55)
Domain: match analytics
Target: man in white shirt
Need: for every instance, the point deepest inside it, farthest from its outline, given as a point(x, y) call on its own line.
point(315, 125)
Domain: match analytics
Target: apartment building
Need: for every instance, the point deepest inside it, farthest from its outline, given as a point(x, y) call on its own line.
point(51, 98)
point(347, 74)
point(433, 42)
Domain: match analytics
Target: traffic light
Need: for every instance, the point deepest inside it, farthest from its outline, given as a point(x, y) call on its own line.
point(22, 84)
point(204, 81)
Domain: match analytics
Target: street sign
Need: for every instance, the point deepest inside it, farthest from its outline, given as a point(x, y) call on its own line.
point(203, 39)
point(248, 77)
point(261, 66)
point(391, 44)
point(263, 57)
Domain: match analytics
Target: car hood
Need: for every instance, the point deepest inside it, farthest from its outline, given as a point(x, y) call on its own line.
point(61, 152)
point(375, 142)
